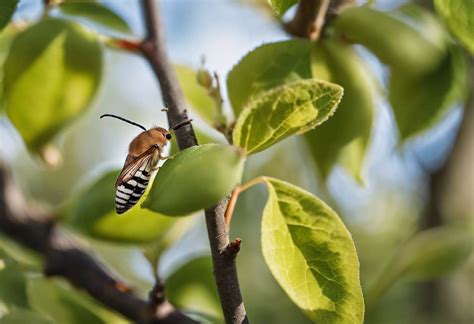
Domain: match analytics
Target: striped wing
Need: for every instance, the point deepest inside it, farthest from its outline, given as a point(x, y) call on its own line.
point(132, 182)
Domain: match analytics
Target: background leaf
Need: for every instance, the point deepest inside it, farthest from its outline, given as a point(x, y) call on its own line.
point(192, 288)
point(21, 315)
point(459, 16)
point(7, 9)
point(6, 37)
point(429, 254)
point(266, 67)
point(281, 6)
point(196, 178)
point(345, 136)
point(96, 13)
point(420, 102)
point(392, 40)
point(93, 213)
point(57, 300)
point(283, 111)
point(311, 254)
point(196, 94)
point(12, 283)
point(51, 74)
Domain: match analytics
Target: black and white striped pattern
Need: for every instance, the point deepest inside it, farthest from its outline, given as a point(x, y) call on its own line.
point(128, 193)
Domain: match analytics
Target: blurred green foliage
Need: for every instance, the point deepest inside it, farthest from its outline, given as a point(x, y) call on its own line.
point(52, 70)
point(8, 8)
point(336, 140)
point(192, 287)
point(96, 13)
point(196, 95)
point(267, 67)
point(67, 60)
point(458, 17)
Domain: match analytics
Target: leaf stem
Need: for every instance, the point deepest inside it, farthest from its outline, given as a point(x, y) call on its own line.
point(235, 195)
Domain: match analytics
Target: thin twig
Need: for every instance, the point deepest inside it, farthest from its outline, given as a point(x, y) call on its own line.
point(312, 16)
point(320, 19)
point(153, 49)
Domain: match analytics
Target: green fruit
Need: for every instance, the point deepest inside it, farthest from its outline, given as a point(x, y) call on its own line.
point(196, 178)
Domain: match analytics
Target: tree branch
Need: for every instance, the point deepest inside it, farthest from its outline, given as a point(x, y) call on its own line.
point(37, 230)
point(153, 49)
point(312, 16)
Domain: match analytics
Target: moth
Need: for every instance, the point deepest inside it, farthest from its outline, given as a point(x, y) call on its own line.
point(144, 153)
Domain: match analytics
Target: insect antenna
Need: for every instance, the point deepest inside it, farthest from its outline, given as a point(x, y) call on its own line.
point(124, 119)
point(179, 125)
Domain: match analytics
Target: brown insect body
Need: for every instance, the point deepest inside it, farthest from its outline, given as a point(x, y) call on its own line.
point(144, 153)
point(143, 141)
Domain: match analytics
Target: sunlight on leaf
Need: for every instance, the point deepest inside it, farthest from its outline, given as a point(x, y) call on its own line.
point(311, 255)
point(196, 178)
point(51, 74)
point(281, 6)
point(266, 67)
point(283, 111)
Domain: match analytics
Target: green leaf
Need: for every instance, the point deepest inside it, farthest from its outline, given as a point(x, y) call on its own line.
point(420, 102)
point(57, 300)
point(311, 255)
point(196, 178)
point(394, 41)
point(459, 16)
point(192, 288)
point(345, 136)
point(7, 9)
point(51, 74)
point(19, 254)
point(12, 282)
point(93, 212)
point(429, 254)
point(22, 315)
point(283, 111)
point(266, 67)
point(281, 6)
point(96, 13)
point(6, 37)
point(196, 94)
